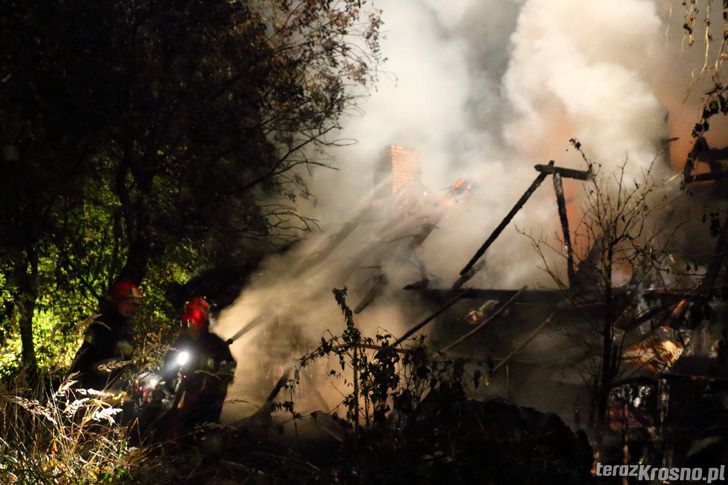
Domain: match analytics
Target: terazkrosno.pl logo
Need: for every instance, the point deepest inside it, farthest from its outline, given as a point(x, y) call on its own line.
point(651, 473)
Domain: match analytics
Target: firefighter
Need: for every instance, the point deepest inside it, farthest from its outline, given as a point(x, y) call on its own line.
point(198, 368)
point(107, 347)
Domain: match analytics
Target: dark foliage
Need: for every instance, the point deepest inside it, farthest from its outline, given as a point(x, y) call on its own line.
point(138, 136)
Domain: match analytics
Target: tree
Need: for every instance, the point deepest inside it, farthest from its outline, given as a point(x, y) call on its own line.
point(176, 128)
point(42, 176)
point(628, 243)
point(215, 104)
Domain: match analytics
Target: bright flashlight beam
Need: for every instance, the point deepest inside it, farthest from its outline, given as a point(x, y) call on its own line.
point(183, 357)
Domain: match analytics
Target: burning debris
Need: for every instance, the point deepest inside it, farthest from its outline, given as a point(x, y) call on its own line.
point(715, 158)
point(655, 353)
point(550, 348)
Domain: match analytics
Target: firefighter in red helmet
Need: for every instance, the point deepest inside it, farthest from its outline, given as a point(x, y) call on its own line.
point(107, 345)
point(198, 368)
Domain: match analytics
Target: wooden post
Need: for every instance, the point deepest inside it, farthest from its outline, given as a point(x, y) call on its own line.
point(355, 366)
point(509, 397)
point(561, 203)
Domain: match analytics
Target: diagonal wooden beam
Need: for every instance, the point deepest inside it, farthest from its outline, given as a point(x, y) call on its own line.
point(531, 297)
point(523, 343)
point(507, 219)
point(495, 315)
point(457, 297)
point(568, 173)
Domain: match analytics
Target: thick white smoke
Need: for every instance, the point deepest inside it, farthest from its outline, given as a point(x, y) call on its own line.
point(484, 90)
point(580, 69)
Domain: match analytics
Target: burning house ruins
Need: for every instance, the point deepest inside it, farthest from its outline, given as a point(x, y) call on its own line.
point(662, 341)
point(623, 323)
point(654, 330)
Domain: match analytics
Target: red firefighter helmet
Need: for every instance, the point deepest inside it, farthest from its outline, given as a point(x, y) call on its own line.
point(199, 301)
point(195, 314)
point(124, 289)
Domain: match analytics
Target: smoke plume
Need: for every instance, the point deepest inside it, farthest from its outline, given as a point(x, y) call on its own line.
point(484, 90)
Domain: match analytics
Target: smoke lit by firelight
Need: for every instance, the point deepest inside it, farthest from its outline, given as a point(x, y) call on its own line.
point(484, 90)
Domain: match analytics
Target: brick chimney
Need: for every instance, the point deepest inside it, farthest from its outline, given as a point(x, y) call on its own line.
point(403, 165)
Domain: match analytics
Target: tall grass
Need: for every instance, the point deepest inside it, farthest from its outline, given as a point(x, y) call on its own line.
point(66, 436)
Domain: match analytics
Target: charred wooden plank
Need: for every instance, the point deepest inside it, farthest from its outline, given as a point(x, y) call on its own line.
point(523, 343)
point(543, 297)
point(568, 173)
point(457, 296)
point(495, 315)
point(377, 285)
point(561, 203)
point(706, 177)
point(703, 152)
point(468, 274)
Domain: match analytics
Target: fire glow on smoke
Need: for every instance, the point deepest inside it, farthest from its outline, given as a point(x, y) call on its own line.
point(483, 90)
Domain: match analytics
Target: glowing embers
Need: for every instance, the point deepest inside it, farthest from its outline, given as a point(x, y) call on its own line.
point(656, 353)
point(480, 314)
point(461, 186)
